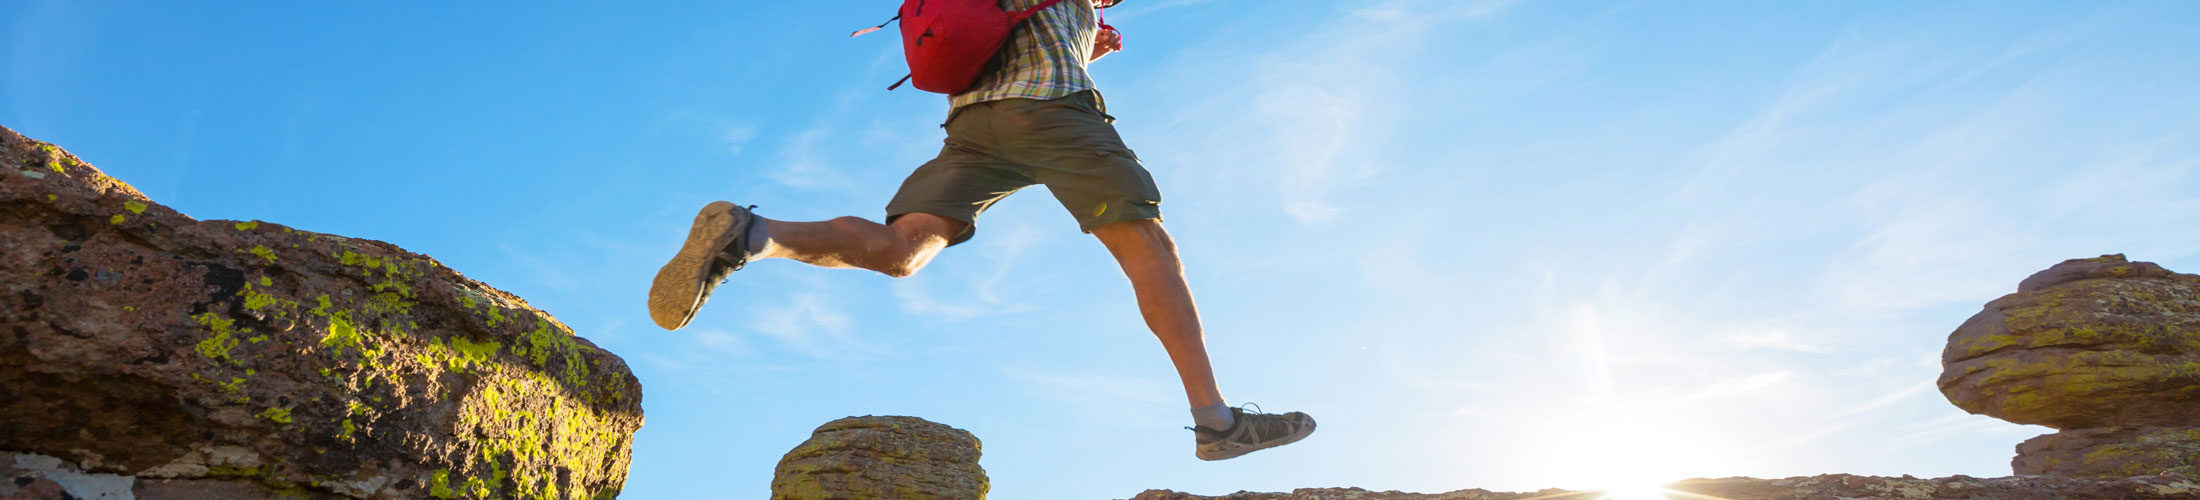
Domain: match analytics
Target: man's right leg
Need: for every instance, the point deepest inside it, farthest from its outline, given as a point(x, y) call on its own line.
point(898, 249)
point(931, 211)
point(726, 237)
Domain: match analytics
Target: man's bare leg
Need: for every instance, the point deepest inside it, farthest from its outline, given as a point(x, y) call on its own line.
point(1149, 259)
point(896, 250)
point(726, 236)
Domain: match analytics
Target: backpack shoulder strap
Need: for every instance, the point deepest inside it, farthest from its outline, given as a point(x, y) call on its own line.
point(1021, 15)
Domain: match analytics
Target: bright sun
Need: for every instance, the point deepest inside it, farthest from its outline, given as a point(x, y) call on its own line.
point(1626, 455)
point(1638, 492)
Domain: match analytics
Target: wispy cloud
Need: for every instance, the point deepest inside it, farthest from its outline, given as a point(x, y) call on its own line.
point(1323, 105)
point(1776, 339)
point(553, 272)
point(809, 322)
point(803, 161)
point(968, 293)
point(1113, 400)
point(723, 342)
point(737, 137)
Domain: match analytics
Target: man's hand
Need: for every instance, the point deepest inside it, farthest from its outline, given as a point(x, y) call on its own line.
point(1105, 42)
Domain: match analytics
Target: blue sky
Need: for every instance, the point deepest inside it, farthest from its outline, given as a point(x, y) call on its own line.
point(1493, 244)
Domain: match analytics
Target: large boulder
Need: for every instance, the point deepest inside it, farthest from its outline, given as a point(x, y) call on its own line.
point(223, 359)
point(869, 457)
point(2087, 343)
point(2105, 349)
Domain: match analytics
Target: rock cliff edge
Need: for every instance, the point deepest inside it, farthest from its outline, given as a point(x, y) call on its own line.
point(146, 354)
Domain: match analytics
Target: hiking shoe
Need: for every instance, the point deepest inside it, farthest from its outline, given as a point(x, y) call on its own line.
point(716, 247)
point(1252, 431)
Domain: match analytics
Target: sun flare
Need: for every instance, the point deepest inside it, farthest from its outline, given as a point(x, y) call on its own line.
point(1626, 455)
point(1634, 492)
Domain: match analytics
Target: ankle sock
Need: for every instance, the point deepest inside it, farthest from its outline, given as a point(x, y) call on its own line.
point(759, 238)
point(1214, 417)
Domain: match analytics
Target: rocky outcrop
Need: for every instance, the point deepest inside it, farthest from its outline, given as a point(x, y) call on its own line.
point(2110, 452)
point(175, 358)
point(882, 457)
point(2103, 349)
point(1829, 486)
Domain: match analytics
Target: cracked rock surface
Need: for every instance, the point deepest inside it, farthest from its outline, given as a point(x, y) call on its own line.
point(882, 457)
point(146, 353)
point(2103, 349)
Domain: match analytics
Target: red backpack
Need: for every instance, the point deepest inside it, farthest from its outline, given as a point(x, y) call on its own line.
point(949, 42)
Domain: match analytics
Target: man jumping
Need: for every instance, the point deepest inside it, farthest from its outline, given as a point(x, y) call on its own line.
point(1033, 118)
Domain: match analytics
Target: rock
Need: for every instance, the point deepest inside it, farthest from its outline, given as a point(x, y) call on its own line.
point(882, 457)
point(2087, 343)
point(2104, 349)
point(2111, 452)
point(225, 359)
point(1828, 486)
point(29, 487)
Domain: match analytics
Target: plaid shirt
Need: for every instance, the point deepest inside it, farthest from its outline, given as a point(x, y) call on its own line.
point(1044, 57)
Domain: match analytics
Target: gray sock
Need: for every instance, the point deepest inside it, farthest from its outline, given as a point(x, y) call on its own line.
point(1214, 417)
point(759, 238)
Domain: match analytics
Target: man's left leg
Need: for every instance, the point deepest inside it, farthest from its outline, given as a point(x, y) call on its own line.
point(1071, 146)
point(1149, 259)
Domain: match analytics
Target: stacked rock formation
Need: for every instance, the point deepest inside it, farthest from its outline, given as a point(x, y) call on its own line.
point(2105, 350)
point(1842, 486)
point(147, 354)
point(882, 457)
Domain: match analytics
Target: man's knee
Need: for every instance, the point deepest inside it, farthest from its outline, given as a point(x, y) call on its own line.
point(1136, 231)
point(1139, 242)
point(902, 269)
point(918, 238)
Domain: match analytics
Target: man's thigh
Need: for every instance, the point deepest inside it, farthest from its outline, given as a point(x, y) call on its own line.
point(1070, 145)
point(959, 185)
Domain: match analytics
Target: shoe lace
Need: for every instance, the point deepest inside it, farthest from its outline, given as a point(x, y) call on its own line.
point(1265, 425)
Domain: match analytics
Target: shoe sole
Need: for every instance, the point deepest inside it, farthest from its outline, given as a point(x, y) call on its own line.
point(1229, 454)
point(677, 293)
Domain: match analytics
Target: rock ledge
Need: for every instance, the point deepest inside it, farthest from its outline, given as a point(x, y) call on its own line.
point(144, 352)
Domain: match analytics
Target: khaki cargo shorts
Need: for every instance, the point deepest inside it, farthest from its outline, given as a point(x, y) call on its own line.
point(997, 147)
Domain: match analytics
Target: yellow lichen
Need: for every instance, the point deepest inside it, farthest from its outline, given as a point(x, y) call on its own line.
point(279, 415)
point(217, 346)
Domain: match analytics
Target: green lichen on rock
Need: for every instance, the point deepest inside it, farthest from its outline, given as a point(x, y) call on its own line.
point(218, 345)
point(529, 424)
point(262, 252)
point(2082, 344)
point(2112, 452)
point(2105, 349)
point(545, 342)
point(882, 457)
point(277, 415)
point(320, 365)
point(439, 486)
